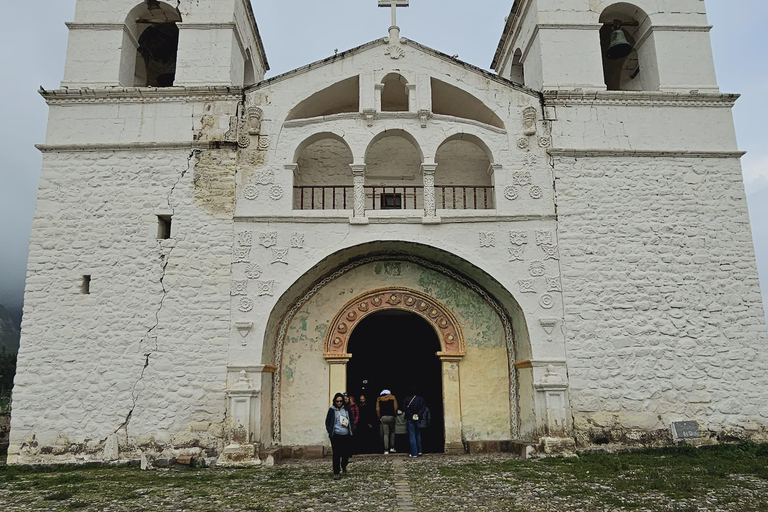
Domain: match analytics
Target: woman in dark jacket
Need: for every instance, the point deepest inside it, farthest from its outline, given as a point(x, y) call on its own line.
point(340, 427)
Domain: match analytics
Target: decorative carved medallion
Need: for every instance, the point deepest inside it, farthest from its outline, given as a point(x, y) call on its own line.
point(263, 143)
point(268, 239)
point(518, 237)
point(255, 115)
point(245, 238)
point(516, 253)
point(547, 301)
point(276, 192)
point(297, 240)
point(553, 284)
point(511, 193)
point(279, 255)
point(487, 239)
point(265, 288)
point(545, 142)
point(245, 304)
point(522, 144)
point(536, 192)
point(241, 254)
point(529, 121)
point(536, 268)
point(395, 51)
point(550, 252)
point(251, 192)
point(526, 286)
point(240, 287)
point(265, 177)
point(253, 271)
point(544, 237)
point(548, 324)
point(521, 178)
point(340, 330)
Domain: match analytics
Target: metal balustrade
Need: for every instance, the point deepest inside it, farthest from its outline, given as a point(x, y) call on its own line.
point(340, 197)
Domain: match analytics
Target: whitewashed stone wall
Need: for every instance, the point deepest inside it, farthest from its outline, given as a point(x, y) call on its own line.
point(663, 313)
point(144, 354)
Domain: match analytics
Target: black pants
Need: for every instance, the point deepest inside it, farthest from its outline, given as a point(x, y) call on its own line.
point(342, 449)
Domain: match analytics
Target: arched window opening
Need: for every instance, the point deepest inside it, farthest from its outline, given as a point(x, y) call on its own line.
point(452, 101)
point(151, 45)
point(516, 72)
point(340, 98)
point(394, 95)
point(629, 57)
point(462, 179)
point(393, 173)
point(249, 75)
point(323, 179)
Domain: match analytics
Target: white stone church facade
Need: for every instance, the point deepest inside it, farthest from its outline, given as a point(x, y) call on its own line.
point(214, 255)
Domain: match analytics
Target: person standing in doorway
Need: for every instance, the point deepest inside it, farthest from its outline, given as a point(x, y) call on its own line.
point(414, 411)
point(366, 439)
point(386, 410)
point(340, 429)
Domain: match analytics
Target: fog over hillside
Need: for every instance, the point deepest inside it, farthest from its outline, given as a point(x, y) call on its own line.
point(758, 213)
point(9, 330)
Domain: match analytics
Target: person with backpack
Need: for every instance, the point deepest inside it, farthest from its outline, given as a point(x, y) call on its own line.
point(386, 410)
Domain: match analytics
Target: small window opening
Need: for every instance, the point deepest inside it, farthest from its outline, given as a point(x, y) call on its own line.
point(391, 201)
point(163, 227)
point(516, 72)
point(85, 287)
point(156, 62)
point(394, 96)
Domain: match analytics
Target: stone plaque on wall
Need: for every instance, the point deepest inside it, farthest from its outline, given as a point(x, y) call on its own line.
point(682, 430)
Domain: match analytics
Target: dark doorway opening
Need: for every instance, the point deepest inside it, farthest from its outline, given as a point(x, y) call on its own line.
point(397, 350)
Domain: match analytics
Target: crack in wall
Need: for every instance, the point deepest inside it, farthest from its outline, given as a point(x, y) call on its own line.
point(150, 334)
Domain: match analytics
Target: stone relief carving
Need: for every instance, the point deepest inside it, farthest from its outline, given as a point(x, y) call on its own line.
point(523, 144)
point(395, 51)
point(359, 183)
point(265, 288)
point(429, 194)
point(241, 254)
point(527, 286)
point(245, 304)
point(266, 177)
point(255, 115)
point(518, 237)
point(529, 121)
point(279, 255)
point(253, 271)
point(537, 268)
point(231, 134)
point(240, 287)
point(251, 192)
point(245, 238)
point(268, 239)
point(521, 178)
point(547, 301)
point(516, 253)
point(370, 115)
point(545, 142)
point(276, 192)
point(553, 284)
point(550, 252)
point(511, 193)
point(487, 239)
point(297, 241)
point(530, 159)
point(263, 143)
point(536, 192)
point(424, 116)
point(544, 237)
point(244, 328)
point(548, 324)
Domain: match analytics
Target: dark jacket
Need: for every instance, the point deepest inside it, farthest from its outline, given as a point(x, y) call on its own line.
point(414, 405)
point(386, 406)
point(330, 419)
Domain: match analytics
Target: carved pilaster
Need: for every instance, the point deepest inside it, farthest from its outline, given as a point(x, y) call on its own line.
point(428, 170)
point(358, 176)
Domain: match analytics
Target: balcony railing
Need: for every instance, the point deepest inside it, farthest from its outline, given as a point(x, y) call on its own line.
point(339, 197)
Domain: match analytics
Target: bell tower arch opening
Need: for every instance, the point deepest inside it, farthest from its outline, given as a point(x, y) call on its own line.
point(397, 350)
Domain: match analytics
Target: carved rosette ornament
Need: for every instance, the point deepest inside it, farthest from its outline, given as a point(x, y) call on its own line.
point(430, 309)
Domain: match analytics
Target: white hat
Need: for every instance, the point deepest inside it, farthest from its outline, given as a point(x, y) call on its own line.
point(385, 392)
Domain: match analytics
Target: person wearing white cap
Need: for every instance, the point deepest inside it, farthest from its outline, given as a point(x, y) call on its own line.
point(386, 410)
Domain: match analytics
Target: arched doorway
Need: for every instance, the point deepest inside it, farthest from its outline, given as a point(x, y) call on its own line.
point(397, 350)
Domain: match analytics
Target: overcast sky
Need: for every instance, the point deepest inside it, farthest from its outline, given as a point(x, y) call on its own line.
point(296, 32)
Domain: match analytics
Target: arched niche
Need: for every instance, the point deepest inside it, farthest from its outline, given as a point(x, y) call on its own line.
point(394, 93)
point(516, 71)
point(638, 71)
point(463, 179)
point(150, 45)
point(451, 101)
point(340, 98)
point(393, 172)
point(323, 178)
point(491, 322)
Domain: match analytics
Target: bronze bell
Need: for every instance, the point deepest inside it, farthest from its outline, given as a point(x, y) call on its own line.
point(619, 47)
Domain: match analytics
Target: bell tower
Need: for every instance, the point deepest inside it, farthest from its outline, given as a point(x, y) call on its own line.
point(154, 43)
point(594, 45)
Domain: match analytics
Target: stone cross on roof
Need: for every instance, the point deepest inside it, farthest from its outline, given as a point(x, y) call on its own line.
point(394, 4)
point(394, 50)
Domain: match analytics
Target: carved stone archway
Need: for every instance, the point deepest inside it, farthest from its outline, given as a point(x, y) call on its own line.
point(453, 346)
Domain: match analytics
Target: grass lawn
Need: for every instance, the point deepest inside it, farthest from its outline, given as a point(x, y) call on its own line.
point(717, 478)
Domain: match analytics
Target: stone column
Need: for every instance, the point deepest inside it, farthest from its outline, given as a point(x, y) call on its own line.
point(554, 403)
point(358, 176)
point(430, 209)
point(452, 403)
point(337, 373)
